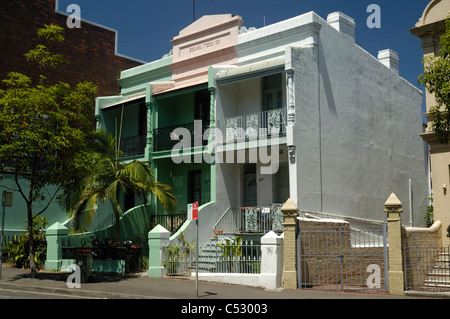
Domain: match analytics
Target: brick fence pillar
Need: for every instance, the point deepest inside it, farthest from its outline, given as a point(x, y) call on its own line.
point(393, 209)
point(289, 211)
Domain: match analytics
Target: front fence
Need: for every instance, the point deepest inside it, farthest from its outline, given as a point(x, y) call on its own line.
point(427, 268)
point(341, 258)
point(221, 257)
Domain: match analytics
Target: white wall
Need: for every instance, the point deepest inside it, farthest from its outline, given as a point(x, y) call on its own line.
point(357, 131)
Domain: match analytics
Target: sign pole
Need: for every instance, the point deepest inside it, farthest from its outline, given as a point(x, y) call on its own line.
point(196, 276)
point(192, 214)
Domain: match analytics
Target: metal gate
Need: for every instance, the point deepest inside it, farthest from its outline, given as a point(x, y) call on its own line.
point(343, 258)
point(427, 268)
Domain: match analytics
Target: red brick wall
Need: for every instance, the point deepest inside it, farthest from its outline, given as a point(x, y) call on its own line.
point(90, 49)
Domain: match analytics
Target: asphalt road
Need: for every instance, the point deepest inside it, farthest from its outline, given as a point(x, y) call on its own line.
point(6, 294)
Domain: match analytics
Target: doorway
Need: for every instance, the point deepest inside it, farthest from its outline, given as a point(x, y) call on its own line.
point(250, 185)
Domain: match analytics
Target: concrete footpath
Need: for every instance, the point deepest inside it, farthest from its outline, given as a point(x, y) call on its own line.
point(139, 286)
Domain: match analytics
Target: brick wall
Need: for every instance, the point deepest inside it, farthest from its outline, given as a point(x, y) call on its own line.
point(422, 251)
point(422, 237)
point(90, 49)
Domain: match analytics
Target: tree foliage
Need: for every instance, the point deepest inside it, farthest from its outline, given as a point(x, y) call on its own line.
point(436, 78)
point(43, 130)
point(110, 177)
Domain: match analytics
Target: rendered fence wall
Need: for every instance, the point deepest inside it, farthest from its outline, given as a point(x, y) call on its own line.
point(267, 267)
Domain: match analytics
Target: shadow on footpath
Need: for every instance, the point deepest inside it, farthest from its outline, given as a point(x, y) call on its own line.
point(63, 276)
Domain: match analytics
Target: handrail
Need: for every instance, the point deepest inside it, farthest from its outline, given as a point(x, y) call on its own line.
point(109, 220)
point(215, 228)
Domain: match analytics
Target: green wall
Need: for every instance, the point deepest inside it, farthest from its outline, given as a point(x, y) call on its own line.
point(176, 176)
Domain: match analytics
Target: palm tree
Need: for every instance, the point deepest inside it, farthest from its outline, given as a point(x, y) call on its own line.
point(109, 177)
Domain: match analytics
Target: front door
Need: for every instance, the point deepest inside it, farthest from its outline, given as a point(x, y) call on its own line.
point(250, 190)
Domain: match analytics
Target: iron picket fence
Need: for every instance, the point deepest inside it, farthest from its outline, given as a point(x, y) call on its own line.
point(215, 257)
point(427, 268)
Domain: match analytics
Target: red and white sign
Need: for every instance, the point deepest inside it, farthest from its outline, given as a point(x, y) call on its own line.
point(192, 211)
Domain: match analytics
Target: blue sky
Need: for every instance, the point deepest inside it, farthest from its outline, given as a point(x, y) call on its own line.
point(145, 27)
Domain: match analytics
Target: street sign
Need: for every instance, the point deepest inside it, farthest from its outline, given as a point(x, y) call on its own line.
point(192, 211)
point(7, 200)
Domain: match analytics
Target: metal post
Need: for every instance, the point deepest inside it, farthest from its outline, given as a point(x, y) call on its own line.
point(411, 223)
point(341, 258)
point(385, 253)
point(299, 258)
point(196, 276)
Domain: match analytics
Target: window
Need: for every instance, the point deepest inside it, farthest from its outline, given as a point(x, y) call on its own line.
point(272, 92)
point(195, 187)
point(142, 119)
point(202, 109)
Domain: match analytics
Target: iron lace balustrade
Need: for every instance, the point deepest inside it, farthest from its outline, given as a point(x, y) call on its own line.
point(254, 126)
point(133, 146)
point(250, 220)
point(164, 139)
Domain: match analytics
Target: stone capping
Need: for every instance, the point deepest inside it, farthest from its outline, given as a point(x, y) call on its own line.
point(393, 204)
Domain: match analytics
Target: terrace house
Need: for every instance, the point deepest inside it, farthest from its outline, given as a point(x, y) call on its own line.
point(239, 120)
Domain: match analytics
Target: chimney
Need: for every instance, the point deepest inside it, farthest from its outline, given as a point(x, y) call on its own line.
point(389, 58)
point(343, 23)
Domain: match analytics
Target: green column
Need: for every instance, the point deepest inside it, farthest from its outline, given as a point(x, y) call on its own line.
point(212, 125)
point(157, 238)
point(54, 246)
point(150, 103)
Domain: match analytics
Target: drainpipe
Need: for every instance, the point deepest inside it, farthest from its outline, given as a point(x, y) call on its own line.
point(410, 205)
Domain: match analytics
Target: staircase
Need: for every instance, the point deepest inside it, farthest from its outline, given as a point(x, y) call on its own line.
point(439, 275)
point(208, 255)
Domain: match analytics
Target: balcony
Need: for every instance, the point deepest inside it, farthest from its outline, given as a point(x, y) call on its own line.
point(133, 146)
point(254, 126)
point(164, 139)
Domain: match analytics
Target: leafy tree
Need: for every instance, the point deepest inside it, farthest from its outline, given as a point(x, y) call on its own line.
point(43, 131)
point(17, 250)
point(108, 179)
point(436, 78)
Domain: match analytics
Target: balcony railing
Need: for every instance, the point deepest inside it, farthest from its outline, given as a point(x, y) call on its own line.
point(250, 220)
point(254, 126)
point(164, 139)
point(133, 146)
